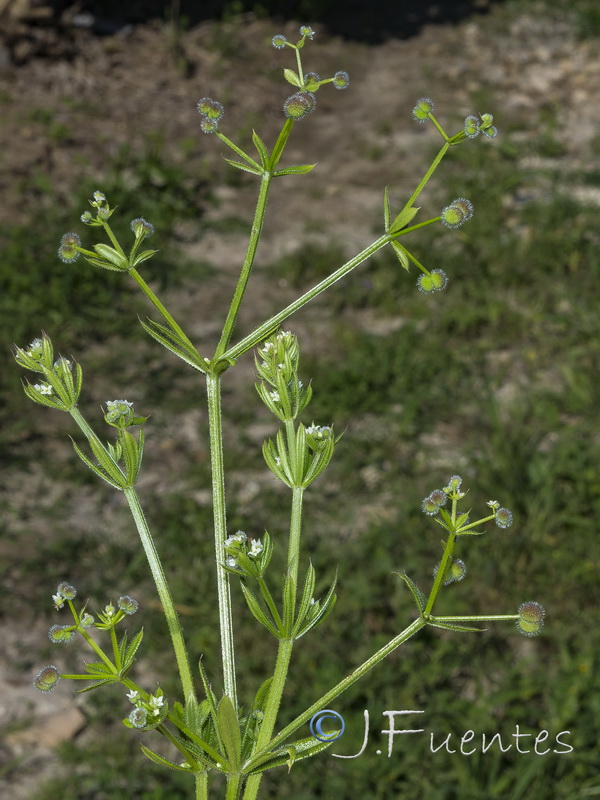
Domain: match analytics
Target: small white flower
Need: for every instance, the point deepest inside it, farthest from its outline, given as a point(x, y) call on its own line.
point(274, 396)
point(132, 696)
point(43, 388)
point(231, 561)
point(256, 548)
point(156, 703)
point(58, 601)
point(493, 504)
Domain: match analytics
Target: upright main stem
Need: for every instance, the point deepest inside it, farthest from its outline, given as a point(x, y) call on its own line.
point(213, 389)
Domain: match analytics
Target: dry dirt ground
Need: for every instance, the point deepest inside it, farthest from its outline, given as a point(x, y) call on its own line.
point(118, 89)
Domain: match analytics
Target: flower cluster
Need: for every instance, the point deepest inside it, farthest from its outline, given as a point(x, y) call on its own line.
point(303, 102)
point(239, 543)
point(277, 365)
point(149, 710)
point(475, 126)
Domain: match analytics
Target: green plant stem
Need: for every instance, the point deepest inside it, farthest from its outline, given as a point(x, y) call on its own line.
point(434, 164)
point(271, 324)
point(257, 224)
point(234, 784)
point(295, 531)
point(164, 593)
point(99, 652)
point(201, 786)
point(332, 694)
point(477, 618)
point(213, 391)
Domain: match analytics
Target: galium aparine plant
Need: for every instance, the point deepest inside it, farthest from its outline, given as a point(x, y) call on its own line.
point(215, 731)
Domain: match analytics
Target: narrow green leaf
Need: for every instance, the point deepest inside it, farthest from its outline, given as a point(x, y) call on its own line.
point(144, 256)
point(403, 218)
point(133, 648)
point(229, 729)
point(164, 762)
point(130, 455)
point(295, 169)
point(418, 595)
point(304, 748)
point(257, 611)
point(401, 255)
point(96, 469)
point(106, 460)
point(451, 627)
point(103, 264)
point(262, 695)
point(110, 254)
point(325, 609)
point(261, 148)
point(245, 167)
point(98, 668)
point(172, 342)
point(386, 209)
point(305, 601)
point(122, 650)
point(292, 78)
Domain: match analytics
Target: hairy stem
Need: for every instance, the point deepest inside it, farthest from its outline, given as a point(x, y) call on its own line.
point(213, 387)
point(164, 593)
point(259, 216)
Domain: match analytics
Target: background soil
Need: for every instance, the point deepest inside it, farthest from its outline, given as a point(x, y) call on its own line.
point(143, 80)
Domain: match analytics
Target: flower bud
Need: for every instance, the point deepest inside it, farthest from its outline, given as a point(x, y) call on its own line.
point(299, 105)
point(531, 618)
point(422, 110)
point(67, 591)
point(341, 80)
point(454, 483)
point(503, 518)
point(46, 679)
point(141, 228)
point(471, 126)
point(128, 605)
point(435, 281)
point(209, 125)
point(67, 250)
point(119, 413)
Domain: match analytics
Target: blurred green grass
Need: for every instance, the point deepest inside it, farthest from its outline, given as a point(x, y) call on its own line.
point(496, 379)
